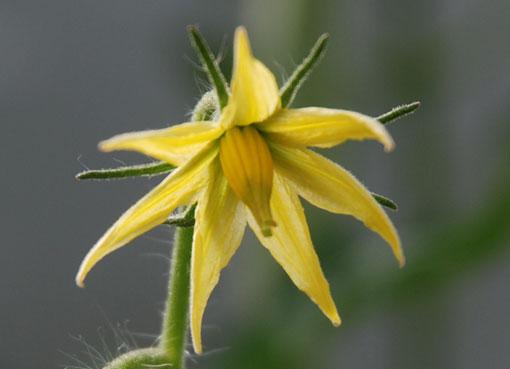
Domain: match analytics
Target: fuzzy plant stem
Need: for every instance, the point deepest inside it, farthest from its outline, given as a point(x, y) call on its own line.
point(175, 320)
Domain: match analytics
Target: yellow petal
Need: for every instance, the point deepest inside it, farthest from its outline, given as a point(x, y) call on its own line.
point(175, 144)
point(177, 189)
point(219, 228)
point(292, 248)
point(330, 187)
point(255, 93)
point(323, 127)
point(248, 167)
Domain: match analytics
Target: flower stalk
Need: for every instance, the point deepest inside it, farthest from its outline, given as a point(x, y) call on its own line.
point(174, 331)
point(175, 320)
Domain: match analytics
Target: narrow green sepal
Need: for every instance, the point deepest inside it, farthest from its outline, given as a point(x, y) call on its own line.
point(184, 219)
point(384, 201)
point(398, 112)
point(293, 84)
point(150, 169)
point(211, 67)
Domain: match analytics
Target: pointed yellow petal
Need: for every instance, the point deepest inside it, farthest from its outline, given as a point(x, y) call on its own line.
point(175, 144)
point(219, 228)
point(177, 189)
point(330, 187)
point(255, 92)
point(323, 127)
point(292, 248)
point(248, 167)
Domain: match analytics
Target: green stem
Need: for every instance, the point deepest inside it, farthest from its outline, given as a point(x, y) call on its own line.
point(175, 319)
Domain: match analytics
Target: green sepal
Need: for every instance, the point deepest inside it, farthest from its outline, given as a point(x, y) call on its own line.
point(211, 67)
point(184, 219)
point(293, 84)
point(398, 112)
point(384, 201)
point(147, 170)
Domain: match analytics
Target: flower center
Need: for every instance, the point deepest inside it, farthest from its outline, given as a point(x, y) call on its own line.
point(248, 167)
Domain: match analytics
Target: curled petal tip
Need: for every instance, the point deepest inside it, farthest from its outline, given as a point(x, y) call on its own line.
point(387, 141)
point(334, 317)
point(398, 253)
point(197, 343)
point(337, 322)
point(241, 30)
point(242, 47)
point(80, 281)
point(382, 135)
point(112, 144)
point(401, 261)
point(389, 146)
point(83, 272)
point(104, 146)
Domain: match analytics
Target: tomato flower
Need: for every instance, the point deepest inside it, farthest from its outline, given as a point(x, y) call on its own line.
point(249, 166)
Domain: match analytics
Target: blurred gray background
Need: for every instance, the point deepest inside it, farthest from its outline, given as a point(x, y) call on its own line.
point(75, 72)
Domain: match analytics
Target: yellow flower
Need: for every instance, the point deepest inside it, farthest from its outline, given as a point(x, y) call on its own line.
point(249, 167)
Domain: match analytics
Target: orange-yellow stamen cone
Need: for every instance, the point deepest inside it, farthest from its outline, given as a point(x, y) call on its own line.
point(248, 166)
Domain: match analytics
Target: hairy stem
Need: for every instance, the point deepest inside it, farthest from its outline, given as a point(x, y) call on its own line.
point(175, 320)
